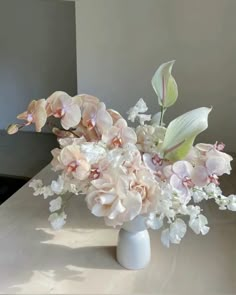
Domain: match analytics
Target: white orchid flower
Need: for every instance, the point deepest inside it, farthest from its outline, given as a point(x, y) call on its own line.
point(164, 85)
point(181, 133)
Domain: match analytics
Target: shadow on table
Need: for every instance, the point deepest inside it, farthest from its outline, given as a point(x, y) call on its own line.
point(55, 263)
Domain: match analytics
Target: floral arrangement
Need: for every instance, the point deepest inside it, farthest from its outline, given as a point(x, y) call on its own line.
point(152, 170)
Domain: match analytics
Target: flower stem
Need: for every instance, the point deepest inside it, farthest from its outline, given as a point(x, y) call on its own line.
point(162, 115)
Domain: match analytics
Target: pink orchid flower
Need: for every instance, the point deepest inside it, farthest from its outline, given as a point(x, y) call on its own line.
point(153, 161)
point(215, 163)
point(96, 115)
point(119, 135)
point(74, 162)
point(36, 113)
point(180, 178)
point(61, 105)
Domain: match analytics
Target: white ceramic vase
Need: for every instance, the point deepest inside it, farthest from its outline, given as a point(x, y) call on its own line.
point(133, 248)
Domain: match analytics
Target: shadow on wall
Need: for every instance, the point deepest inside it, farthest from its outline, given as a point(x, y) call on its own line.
point(37, 53)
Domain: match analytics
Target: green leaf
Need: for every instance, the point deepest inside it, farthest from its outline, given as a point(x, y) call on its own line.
point(165, 85)
point(182, 131)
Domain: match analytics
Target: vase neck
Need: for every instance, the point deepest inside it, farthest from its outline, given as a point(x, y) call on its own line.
point(135, 225)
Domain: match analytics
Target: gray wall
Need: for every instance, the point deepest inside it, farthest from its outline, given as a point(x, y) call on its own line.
point(120, 43)
point(37, 52)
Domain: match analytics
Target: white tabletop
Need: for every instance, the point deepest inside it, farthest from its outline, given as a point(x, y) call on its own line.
point(80, 258)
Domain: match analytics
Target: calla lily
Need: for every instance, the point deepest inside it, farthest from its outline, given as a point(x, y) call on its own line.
point(164, 85)
point(182, 131)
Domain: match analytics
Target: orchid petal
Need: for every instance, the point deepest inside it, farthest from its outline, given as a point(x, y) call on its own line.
point(182, 168)
point(200, 176)
point(72, 117)
point(104, 120)
point(216, 165)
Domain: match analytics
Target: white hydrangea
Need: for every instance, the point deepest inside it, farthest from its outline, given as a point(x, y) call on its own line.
point(57, 220)
point(55, 204)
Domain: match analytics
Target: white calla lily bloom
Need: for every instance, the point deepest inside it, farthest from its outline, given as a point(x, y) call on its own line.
point(181, 132)
point(164, 85)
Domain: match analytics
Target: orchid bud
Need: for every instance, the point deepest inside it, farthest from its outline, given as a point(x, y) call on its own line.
point(164, 85)
point(12, 129)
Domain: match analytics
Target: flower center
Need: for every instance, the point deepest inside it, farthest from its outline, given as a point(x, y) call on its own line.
point(219, 146)
point(141, 189)
point(188, 182)
point(116, 142)
point(29, 118)
point(156, 160)
point(214, 179)
point(59, 113)
point(72, 166)
point(94, 174)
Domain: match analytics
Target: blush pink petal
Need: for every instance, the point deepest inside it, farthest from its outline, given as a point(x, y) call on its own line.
point(99, 210)
point(133, 205)
point(128, 135)
point(115, 115)
point(89, 116)
point(121, 123)
point(182, 169)
point(82, 171)
point(103, 120)
point(70, 154)
point(72, 117)
point(216, 165)
point(200, 176)
point(116, 209)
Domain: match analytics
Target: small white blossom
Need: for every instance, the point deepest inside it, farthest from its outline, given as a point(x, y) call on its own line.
point(177, 231)
point(57, 220)
point(199, 195)
point(222, 202)
point(143, 118)
point(57, 186)
point(154, 222)
point(213, 190)
point(36, 184)
point(47, 192)
point(140, 107)
point(232, 203)
point(55, 204)
point(198, 225)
